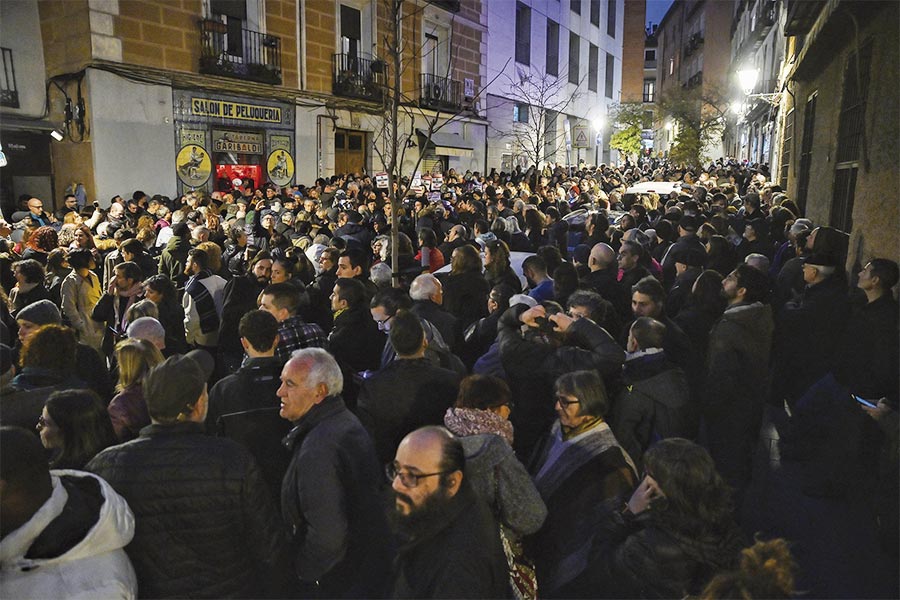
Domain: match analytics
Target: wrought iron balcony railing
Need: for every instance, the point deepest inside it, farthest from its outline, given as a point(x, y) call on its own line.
point(356, 76)
point(240, 53)
point(9, 91)
point(440, 93)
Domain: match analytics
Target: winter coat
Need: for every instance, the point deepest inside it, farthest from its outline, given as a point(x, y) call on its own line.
point(465, 296)
point(446, 323)
point(205, 526)
point(72, 547)
point(401, 397)
point(604, 282)
point(737, 386)
point(633, 557)
point(501, 481)
point(79, 296)
point(654, 404)
point(331, 506)
point(508, 277)
point(173, 259)
point(457, 556)
point(128, 413)
point(19, 299)
point(578, 479)
point(238, 298)
point(193, 328)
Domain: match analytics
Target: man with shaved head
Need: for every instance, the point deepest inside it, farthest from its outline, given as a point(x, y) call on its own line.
point(602, 278)
point(451, 542)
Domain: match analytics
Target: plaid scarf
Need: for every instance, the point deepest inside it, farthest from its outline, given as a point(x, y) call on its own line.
point(206, 308)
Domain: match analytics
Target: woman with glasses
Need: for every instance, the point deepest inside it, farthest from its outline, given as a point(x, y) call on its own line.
point(74, 426)
point(579, 469)
point(673, 534)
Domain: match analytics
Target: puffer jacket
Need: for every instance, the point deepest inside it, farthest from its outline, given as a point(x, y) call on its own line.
point(632, 557)
point(72, 547)
point(205, 524)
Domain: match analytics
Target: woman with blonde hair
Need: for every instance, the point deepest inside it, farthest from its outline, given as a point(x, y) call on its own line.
point(128, 410)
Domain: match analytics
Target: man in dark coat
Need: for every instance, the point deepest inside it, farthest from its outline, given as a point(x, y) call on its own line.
point(809, 330)
point(452, 545)
point(408, 393)
point(204, 524)
point(355, 340)
point(174, 257)
point(602, 279)
point(654, 401)
point(330, 501)
point(687, 231)
point(427, 294)
point(689, 263)
point(737, 374)
point(241, 294)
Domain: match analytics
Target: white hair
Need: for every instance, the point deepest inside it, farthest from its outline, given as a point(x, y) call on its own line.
point(149, 329)
point(322, 368)
point(424, 287)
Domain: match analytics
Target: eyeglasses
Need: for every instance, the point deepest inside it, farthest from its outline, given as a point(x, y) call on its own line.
point(409, 480)
point(382, 322)
point(564, 401)
point(42, 422)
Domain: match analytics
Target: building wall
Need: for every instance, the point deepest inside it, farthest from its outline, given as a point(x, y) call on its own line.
point(20, 26)
point(876, 225)
point(633, 50)
point(65, 33)
point(133, 145)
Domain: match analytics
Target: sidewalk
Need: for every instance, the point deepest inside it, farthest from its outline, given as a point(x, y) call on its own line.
point(833, 539)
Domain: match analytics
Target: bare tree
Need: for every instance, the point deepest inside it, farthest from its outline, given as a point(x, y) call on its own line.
point(701, 117)
point(401, 111)
point(538, 99)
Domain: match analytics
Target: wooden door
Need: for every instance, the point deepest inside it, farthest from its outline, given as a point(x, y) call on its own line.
point(349, 151)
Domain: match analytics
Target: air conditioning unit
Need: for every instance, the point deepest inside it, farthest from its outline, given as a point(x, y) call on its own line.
point(433, 92)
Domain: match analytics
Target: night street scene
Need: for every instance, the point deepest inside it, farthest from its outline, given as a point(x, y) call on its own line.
point(449, 299)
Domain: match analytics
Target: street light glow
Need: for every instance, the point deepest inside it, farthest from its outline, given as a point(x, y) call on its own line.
point(747, 79)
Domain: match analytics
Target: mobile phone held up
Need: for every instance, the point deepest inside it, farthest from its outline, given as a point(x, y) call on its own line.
point(864, 402)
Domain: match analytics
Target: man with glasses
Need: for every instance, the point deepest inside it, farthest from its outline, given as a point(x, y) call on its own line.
point(451, 548)
point(329, 497)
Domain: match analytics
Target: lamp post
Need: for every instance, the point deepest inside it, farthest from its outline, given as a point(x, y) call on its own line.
point(598, 138)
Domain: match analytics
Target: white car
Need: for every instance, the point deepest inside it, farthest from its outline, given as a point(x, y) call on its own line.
point(663, 188)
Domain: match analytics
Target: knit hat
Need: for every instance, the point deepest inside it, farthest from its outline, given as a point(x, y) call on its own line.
point(174, 386)
point(821, 260)
point(42, 312)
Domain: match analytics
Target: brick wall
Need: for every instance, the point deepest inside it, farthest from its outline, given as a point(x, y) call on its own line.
point(160, 33)
point(633, 51)
point(320, 23)
point(66, 35)
point(281, 19)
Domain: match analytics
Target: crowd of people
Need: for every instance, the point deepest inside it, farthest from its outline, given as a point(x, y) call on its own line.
point(534, 383)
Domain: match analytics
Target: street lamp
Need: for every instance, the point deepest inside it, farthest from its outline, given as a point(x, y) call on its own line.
point(747, 79)
point(598, 138)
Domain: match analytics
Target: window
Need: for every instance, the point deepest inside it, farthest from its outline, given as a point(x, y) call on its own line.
point(552, 48)
point(786, 146)
point(574, 55)
point(351, 31)
point(520, 112)
point(593, 66)
point(575, 5)
point(850, 136)
point(649, 90)
point(234, 14)
point(806, 149)
point(610, 73)
point(611, 19)
point(523, 34)
point(649, 55)
point(595, 12)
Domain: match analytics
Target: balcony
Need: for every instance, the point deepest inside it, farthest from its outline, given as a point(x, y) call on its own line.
point(693, 44)
point(239, 53)
point(440, 93)
point(9, 91)
point(355, 76)
point(694, 80)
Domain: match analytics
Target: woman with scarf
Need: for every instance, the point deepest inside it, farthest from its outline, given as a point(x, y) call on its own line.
point(579, 470)
point(29, 286)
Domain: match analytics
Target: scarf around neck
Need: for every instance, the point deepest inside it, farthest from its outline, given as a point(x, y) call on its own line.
point(472, 421)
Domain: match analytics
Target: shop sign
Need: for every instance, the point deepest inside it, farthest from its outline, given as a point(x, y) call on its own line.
point(280, 142)
point(237, 141)
point(193, 136)
point(203, 107)
point(193, 165)
point(280, 167)
point(436, 182)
